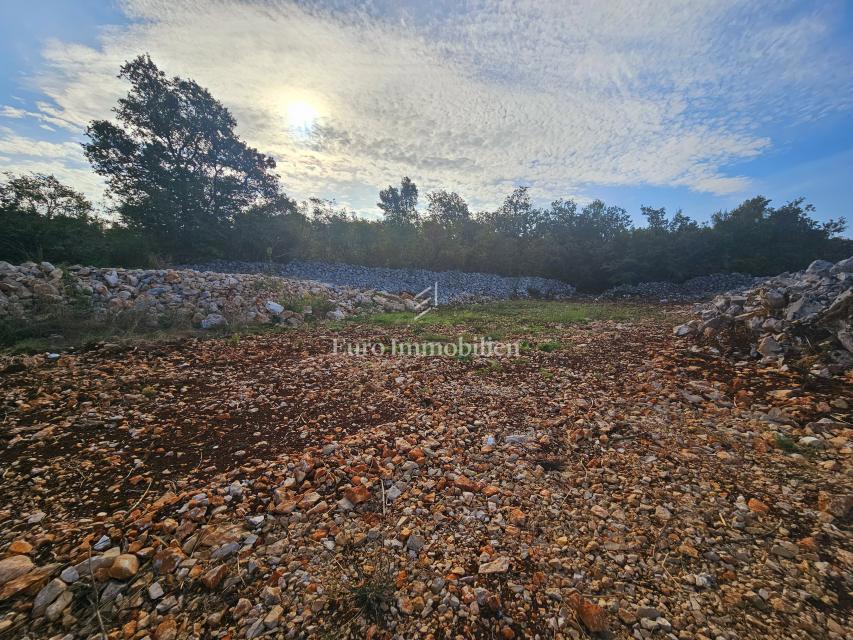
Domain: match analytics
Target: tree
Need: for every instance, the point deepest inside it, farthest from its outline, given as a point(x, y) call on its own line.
point(516, 217)
point(400, 206)
point(448, 209)
point(43, 219)
point(656, 218)
point(759, 239)
point(597, 221)
point(174, 163)
point(268, 232)
point(44, 195)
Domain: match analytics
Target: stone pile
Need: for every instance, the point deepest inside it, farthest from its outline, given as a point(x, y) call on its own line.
point(792, 315)
point(207, 299)
point(453, 286)
point(693, 289)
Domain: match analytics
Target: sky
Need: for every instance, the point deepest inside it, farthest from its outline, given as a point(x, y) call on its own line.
point(688, 105)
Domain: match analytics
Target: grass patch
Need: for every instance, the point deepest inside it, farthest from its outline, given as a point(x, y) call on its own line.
point(69, 326)
point(550, 346)
point(319, 305)
point(511, 317)
point(426, 336)
point(491, 367)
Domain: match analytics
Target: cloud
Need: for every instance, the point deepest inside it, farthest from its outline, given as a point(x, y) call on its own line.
point(479, 96)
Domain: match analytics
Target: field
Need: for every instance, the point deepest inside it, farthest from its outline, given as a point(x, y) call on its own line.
point(608, 479)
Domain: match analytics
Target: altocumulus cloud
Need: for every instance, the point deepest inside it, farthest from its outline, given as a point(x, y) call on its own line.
point(476, 97)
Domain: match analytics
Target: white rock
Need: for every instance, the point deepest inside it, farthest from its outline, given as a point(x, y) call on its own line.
point(336, 315)
point(155, 591)
point(273, 307)
point(213, 320)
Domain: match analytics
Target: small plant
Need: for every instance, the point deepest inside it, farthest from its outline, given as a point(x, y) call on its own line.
point(149, 391)
point(786, 444)
point(550, 347)
point(365, 594)
point(490, 368)
point(545, 373)
point(373, 595)
point(319, 305)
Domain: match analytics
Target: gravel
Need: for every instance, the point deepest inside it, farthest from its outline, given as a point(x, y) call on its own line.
point(621, 487)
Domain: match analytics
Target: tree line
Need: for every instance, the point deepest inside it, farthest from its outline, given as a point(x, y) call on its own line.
point(184, 188)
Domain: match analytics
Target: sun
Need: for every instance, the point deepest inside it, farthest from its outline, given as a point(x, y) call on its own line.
point(301, 116)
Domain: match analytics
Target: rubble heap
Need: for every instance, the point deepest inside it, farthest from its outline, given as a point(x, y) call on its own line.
point(699, 288)
point(208, 299)
point(807, 313)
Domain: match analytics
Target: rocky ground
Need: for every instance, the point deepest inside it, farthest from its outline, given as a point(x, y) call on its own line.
point(623, 484)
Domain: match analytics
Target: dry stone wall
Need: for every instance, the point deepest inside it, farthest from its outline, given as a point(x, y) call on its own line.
point(208, 299)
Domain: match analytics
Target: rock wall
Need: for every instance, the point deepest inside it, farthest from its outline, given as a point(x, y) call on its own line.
point(699, 288)
point(453, 286)
point(208, 299)
point(809, 312)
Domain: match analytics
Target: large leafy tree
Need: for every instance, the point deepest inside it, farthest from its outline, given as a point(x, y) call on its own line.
point(447, 209)
point(400, 205)
point(174, 163)
point(44, 195)
point(43, 219)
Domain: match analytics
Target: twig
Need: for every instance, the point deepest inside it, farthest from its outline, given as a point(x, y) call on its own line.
point(142, 497)
point(239, 571)
point(97, 597)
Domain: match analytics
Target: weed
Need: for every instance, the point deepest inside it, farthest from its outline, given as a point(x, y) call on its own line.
point(491, 367)
point(786, 444)
point(550, 347)
point(366, 593)
point(372, 596)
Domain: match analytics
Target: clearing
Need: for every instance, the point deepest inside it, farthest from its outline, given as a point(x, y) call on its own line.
point(607, 478)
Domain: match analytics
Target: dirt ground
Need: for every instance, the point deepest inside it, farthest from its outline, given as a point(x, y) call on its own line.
point(614, 483)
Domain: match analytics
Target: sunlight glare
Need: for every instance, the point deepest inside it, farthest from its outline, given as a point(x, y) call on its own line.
point(301, 116)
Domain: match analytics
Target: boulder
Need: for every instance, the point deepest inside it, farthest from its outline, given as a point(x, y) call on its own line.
point(213, 320)
point(273, 307)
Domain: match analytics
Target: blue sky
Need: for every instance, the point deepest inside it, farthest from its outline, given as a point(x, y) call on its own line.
point(685, 105)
